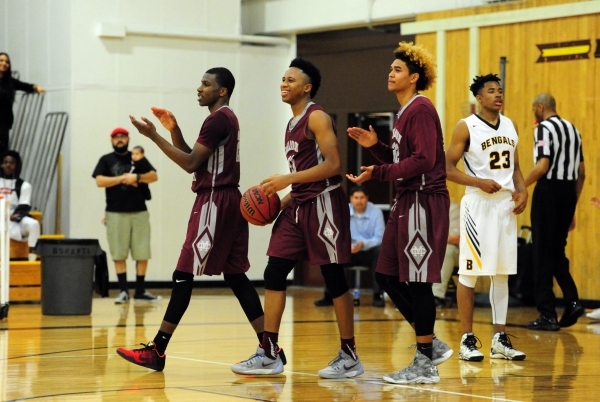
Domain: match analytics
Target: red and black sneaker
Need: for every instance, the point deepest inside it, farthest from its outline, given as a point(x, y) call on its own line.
point(147, 356)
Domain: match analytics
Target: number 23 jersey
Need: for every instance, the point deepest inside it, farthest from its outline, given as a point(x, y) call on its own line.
point(491, 153)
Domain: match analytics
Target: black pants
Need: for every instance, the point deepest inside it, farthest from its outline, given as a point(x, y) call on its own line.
point(552, 210)
point(367, 259)
point(3, 139)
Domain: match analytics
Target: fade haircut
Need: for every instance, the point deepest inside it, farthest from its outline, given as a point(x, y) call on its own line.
point(312, 72)
point(224, 78)
point(480, 80)
point(418, 60)
point(138, 147)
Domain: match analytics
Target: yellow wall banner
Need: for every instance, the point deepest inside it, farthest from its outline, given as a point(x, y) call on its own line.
point(560, 51)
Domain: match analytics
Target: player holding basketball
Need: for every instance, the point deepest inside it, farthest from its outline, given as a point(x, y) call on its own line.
point(495, 193)
point(415, 236)
point(217, 235)
point(314, 224)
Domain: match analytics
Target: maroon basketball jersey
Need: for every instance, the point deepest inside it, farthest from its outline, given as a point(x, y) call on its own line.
point(221, 133)
point(303, 153)
point(416, 160)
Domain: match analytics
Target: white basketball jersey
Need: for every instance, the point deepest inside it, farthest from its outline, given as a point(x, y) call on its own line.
point(491, 152)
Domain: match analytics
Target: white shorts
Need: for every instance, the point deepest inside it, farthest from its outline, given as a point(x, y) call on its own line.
point(488, 234)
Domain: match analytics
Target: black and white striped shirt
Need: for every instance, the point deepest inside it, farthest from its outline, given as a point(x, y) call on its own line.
point(559, 140)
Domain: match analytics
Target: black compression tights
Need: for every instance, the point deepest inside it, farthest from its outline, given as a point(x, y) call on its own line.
point(414, 300)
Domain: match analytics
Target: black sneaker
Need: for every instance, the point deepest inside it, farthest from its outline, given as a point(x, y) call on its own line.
point(544, 324)
point(572, 312)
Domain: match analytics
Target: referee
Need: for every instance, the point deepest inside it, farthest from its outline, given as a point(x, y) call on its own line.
point(559, 172)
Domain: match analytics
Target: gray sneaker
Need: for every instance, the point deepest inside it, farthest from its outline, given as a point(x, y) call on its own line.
point(123, 297)
point(441, 351)
point(343, 366)
point(259, 364)
point(421, 371)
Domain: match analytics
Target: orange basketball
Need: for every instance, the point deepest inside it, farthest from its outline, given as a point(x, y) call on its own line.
point(257, 208)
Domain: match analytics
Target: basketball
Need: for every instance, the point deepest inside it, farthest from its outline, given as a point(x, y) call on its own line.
point(257, 208)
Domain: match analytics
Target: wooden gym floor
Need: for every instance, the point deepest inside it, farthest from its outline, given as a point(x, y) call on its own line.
point(72, 358)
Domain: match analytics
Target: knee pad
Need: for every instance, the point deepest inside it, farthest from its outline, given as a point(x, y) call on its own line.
point(335, 279)
point(183, 283)
point(276, 273)
point(468, 280)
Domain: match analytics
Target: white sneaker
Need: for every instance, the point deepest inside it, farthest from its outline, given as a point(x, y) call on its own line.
point(343, 366)
point(421, 371)
point(468, 348)
point(594, 315)
point(502, 348)
point(259, 364)
point(123, 297)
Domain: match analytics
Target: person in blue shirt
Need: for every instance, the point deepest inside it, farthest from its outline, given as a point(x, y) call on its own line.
point(366, 227)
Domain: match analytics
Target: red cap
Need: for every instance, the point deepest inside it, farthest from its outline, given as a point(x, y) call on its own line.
point(119, 130)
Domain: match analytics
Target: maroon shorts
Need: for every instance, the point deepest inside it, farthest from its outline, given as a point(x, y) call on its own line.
point(317, 230)
point(217, 235)
point(415, 238)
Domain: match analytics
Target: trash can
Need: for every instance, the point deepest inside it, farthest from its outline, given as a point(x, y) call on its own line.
point(67, 275)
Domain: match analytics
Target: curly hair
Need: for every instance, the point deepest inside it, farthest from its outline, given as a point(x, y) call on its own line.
point(480, 80)
point(311, 71)
point(418, 60)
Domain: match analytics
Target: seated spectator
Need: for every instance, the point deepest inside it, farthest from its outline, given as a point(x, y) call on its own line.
point(17, 192)
point(451, 257)
point(366, 227)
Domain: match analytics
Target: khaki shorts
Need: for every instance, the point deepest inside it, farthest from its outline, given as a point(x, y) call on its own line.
point(128, 230)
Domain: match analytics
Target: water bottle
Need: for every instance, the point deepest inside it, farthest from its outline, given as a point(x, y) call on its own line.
point(356, 296)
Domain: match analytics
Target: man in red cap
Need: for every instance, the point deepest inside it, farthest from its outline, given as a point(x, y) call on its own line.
point(127, 219)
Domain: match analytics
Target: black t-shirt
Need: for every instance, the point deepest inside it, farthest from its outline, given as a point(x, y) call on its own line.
point(122, 198)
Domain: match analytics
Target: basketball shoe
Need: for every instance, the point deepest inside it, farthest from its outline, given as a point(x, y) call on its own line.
point(469, 350)
point(502, 348)
point(342, 366)
point(440, 351)
point(594, 315)
point(421, 371)
point(146, 297)
point(147, 356)
point(123, 297)
point(259, 364)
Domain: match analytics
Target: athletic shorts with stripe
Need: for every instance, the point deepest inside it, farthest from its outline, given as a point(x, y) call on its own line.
point(416, 233)
point(317, 230)
point(217, 235)
point(488, 234)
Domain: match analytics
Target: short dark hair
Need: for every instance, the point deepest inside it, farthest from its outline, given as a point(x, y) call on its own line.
point(358, 189)
point(224, 78)
point(138, 147)
point(313, 73)
point(480, 80)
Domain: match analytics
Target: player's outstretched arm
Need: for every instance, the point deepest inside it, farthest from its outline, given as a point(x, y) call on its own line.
point(320, 125)
point(454, 153)
point(168, 121)
point(188, 161)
